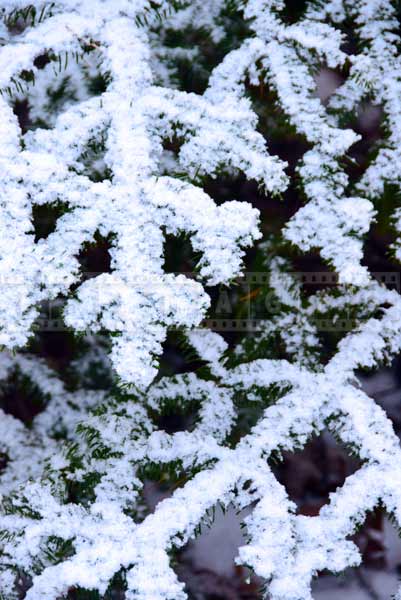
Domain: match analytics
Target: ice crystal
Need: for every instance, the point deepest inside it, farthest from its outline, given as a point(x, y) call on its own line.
point(104, 108)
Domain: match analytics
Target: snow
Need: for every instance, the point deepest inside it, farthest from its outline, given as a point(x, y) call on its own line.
point(101, 443)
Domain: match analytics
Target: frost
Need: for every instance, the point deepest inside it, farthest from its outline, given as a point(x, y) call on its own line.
point(137, 300)
point(72, 511)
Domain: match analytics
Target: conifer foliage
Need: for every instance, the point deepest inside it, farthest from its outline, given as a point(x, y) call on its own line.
point(117, 145)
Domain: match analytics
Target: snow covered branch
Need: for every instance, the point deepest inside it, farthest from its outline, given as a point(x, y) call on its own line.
point(119, 149)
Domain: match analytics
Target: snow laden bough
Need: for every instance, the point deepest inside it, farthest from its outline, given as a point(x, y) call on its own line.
point(137, 204)
point(72, 512)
